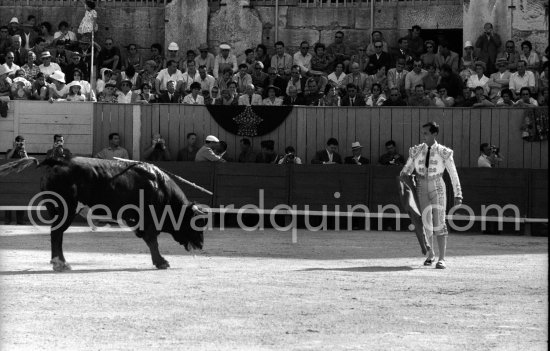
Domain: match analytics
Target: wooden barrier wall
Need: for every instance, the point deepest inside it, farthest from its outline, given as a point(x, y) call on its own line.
point(86, 127)
point(308, 128)
point(316, 185)
point(38, 121)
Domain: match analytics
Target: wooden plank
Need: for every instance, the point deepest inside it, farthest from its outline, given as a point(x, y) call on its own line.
point(98, 120)
point(407, 129)
point(165, 112)
point(351, 131)
point(156, 119)
point(475, 136)
point(398, 129)
point(110, 111)
point(457, 135)
point(466, 116)
point(485, 129)
point(127, 132)
point(344, 139)
point(173, 137)
point(515, 143)
point(47, 128)
point(311, 133)
point(387, 126)
point(415, 130)
point(61, 118)
point(447, 127)
point(375, 132)
point(503, 135)
point(146, 126)
point(362, 130)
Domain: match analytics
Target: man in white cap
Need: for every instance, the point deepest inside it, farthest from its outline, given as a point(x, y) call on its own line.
point(224, 60)
point(206, 152)
point(14, 26)
point(48, 67)
point(173, 54)
point(356, 159)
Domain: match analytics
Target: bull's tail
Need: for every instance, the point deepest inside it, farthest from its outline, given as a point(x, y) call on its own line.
point(17, 166)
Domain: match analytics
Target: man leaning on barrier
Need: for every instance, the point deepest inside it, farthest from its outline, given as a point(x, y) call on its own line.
point(430, 160)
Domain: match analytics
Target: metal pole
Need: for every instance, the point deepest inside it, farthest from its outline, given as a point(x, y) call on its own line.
point(276, 20)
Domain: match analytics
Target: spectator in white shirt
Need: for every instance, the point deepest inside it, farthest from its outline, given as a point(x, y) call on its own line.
point(250, 97)
point(281, 60)
point(224, 60)
point(415, 77)
point(242, 78)
point(522, 78)
point(125, 93)
point(206, 80)
point(489, 156)
point(302, 58)
point(205, 59)
point(48, 67)
point(194, 98)
point(479, 79)
point(190, 76)
point(336, 78)
point(171, 72)
point(525, 99)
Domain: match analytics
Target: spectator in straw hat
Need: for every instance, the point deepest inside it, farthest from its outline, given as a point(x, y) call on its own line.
point(58, 89)
point(479, 79)
point(5, 83)
point(48, 67)
point(356, 159)
point(499, 80)
point(205, 58)
point(224, 60)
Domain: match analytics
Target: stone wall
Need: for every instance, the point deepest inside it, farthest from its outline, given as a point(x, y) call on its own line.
point(319, 24)
point(140, 25)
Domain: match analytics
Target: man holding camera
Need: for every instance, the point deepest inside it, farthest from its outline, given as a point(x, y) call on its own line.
point(158, 151)
point(490, 156)
point(18, 151)
point(58, 151)
point(290, 157)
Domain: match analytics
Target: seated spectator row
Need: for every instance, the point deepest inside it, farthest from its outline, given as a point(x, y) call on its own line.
point(339, 74)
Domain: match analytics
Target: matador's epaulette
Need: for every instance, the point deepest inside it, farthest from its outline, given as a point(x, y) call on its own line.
point(445, 152)
point(415, 150)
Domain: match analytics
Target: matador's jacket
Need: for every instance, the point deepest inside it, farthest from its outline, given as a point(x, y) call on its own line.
point(430, 186)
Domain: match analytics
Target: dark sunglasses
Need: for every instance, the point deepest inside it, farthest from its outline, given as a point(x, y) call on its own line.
point(429, 46)
point(378, 46)
point(417, 65)
point(338, 37)
point(509, 47)
point(362, 50)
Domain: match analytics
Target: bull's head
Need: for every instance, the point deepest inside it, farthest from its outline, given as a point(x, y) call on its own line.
point(186, 235)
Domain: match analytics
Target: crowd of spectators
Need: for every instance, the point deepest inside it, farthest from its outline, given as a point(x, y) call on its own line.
point(39, 65)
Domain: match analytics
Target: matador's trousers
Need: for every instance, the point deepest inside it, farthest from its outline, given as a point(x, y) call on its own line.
point(432, 195)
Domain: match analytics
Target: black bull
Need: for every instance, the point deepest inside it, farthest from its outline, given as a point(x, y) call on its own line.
point(115, 184)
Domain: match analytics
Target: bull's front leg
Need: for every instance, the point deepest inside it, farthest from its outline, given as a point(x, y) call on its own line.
point(64, 216)
point(151, 241)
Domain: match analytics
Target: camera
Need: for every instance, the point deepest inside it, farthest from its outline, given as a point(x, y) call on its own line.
point(20, 144)
point(290, 157)
point(495, 149)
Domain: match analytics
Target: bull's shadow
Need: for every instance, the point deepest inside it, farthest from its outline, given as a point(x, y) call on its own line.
point(367, 269)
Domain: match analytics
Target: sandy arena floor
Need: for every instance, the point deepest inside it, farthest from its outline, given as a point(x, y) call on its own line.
point(257, 291)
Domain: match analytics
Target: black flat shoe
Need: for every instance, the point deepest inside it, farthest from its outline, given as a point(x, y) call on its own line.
point(429, 261)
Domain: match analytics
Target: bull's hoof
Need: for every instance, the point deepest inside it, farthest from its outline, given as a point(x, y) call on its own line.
point(60, 266)
point(163, 265)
